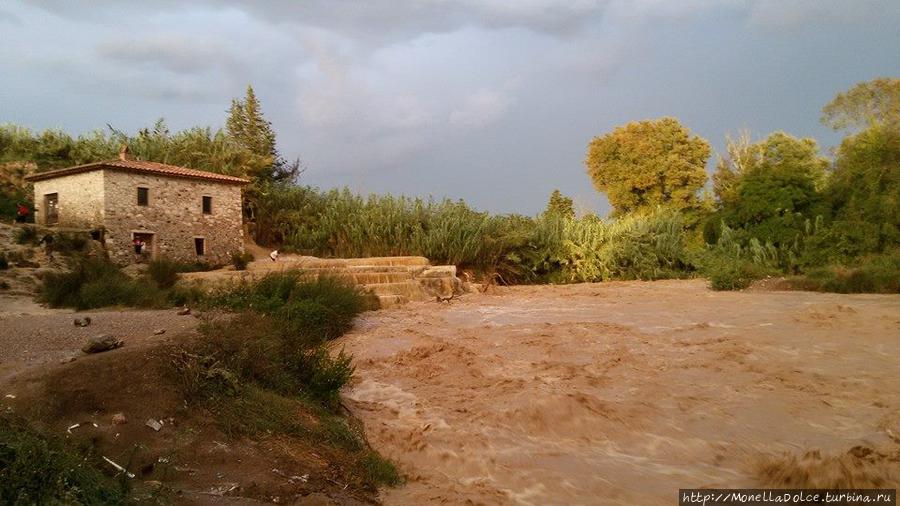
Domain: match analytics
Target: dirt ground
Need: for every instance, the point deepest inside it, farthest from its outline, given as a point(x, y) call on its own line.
point(621, 393)
point(32, 335)
point(46, 379)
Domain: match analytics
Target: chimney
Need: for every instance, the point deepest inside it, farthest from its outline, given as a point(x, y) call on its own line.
point(124, 154)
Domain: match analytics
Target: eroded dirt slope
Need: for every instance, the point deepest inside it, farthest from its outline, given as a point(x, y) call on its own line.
point(624, 392)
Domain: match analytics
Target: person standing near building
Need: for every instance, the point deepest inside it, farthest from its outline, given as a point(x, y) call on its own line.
point(22, 213)
point(138, 248)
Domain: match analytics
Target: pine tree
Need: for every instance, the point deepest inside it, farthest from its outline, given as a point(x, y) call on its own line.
point(247, 125)
point(251, 130)
point(560, 205)
point(236, 123)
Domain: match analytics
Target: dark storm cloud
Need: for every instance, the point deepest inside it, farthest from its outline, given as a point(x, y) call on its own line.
point(489, 100)
point(373, 19)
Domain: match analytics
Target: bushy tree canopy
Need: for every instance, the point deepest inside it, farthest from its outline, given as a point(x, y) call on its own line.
point(865, 185)
point(769, 189)
point(869, 103)
point(648, 163)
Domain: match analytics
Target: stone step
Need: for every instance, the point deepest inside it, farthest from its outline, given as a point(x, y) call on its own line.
point(412, 290)
point(411, 261)
point(438, 271)
point(361, 278)
point(378, 268)
point(389, 301)
point(444, 286)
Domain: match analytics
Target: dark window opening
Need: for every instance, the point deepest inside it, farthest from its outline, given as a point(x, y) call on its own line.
point(143, 196)
point(199, 245)
point(207, 205)
point(51, 205)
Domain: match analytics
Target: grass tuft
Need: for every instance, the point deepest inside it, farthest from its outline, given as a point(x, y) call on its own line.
point(95, 282)
point(27, 234)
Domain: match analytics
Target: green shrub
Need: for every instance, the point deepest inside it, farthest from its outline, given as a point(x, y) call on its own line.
point(324, 375)
point(240, 260)
point(646, 247)
point(840, 242)
point(730, 266)
point(278, 339)
point(163, 272)
point(39, 470)
point(183, 295)
point(27, 234)
point(95, 282)
point(342, 300)
point(872, 274)
point(255, 349)
point(380, 471)
point(733, 274)
point(70, 242)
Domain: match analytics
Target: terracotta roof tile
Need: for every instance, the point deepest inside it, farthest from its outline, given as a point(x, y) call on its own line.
point(160, 169)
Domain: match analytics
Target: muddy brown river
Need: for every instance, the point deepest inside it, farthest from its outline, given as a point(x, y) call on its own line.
point(622, 393)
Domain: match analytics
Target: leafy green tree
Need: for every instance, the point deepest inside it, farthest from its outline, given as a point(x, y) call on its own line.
point(742, 155)
point(774, 190)
point(648, 163)
point(560, 205)
point(864, 189)
point(869, 103)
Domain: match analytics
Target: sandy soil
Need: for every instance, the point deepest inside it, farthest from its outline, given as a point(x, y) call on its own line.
point(621, 393)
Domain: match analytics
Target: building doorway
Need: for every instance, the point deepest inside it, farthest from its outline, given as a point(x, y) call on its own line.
point(51, 207)
point(144, 246)
point(199, 246)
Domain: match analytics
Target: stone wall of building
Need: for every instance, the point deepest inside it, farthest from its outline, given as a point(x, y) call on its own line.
point(174, 216)
point(80, 199)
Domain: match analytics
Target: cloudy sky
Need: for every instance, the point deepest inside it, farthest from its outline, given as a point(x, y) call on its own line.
point(488, 100)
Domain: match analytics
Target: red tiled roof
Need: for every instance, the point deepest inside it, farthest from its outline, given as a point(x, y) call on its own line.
point(159, 169)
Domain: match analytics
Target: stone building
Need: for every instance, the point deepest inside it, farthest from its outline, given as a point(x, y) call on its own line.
point(178, 213)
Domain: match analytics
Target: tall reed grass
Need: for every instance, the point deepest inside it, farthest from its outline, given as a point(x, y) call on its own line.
point(550, 247)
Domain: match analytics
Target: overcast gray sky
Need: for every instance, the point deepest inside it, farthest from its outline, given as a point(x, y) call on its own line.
point(487, 100)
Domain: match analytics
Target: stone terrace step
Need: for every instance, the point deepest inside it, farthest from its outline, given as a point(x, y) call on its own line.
point(362, 278)
point(412, 290)
point(389, 301)
point(310, 262)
